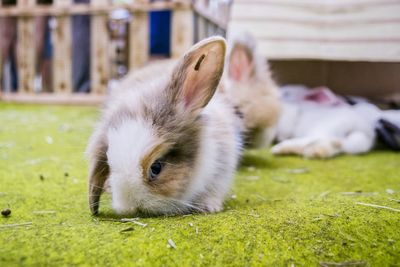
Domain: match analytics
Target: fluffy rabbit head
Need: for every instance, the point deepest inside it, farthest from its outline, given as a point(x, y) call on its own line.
point(148, 140)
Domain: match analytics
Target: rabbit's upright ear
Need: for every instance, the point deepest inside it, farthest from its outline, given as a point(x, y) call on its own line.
point(241, 65)
point(197, 75)
point(98, 170)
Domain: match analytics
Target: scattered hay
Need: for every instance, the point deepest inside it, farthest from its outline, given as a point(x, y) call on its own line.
point(340, 264)
point(15, 225)
point(377, 206)
point(171, 244)
point(43, 212)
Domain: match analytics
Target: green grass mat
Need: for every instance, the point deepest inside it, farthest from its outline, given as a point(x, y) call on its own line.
point(282, 211)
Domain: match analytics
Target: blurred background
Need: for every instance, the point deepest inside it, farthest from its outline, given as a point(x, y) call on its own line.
point(51, 49)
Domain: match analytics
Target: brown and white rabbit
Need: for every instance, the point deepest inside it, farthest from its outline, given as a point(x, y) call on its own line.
point(251, 89)
point(167, 145)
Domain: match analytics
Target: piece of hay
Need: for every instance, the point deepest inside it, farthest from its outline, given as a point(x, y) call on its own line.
point(377, 206)
point(41, 212)
point(15, 225)
point(359, 193)
point(171, 243)
point(298, 171)
point(134, 220)
point(347, 263)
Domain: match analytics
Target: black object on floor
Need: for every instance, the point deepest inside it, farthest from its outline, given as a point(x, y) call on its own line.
point(388, 133)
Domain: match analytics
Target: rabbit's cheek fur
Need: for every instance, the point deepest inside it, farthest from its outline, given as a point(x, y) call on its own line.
point(124, 158)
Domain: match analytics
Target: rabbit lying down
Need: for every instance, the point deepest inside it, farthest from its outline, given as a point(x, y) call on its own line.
point(167, 144)
point(317, 124)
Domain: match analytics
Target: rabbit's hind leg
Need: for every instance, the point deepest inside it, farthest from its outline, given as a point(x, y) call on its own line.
point(295, 146)
point(323, 148)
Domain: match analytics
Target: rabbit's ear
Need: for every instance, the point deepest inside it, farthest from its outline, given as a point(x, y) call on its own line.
point(98, 171)
point(241, 63)
point(197, 75)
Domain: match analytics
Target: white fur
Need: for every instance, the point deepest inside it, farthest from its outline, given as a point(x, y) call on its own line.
point(314, 130)
point(209, 173)
point(127, 145)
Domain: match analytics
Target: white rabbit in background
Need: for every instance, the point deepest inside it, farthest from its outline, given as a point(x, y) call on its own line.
point(323, 128)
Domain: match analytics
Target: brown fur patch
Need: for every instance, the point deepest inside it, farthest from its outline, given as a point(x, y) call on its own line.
point(98, 172)
point(148, 159)
point(172, 181)
point(179, 152)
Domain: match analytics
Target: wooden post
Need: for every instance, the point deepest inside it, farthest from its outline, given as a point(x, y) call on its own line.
point(210, 28)
point(1, 60)
point(1, 52)
point(138, 40)
point(182, 31)
point(99, 65)
point(201, 27)
point(62, 61)
point(25, 49)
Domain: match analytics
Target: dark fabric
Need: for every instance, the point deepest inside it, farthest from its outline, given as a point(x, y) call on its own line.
point(8, 2)
point(160, 32)
point(47, 47)
point(14, 71)
point(388, 133)
point(45, 2)
point(81, 53)
point(8, 38)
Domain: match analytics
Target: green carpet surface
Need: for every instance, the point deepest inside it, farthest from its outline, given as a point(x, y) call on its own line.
point(282, 211)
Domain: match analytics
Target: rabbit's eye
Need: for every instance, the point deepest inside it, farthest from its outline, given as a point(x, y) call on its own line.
point(155, 169)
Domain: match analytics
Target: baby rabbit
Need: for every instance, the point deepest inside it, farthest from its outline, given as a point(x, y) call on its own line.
point(167, 145)
point(249, 86)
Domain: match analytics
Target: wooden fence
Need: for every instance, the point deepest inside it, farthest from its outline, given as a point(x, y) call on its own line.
point(208, 24)
point(185, 29)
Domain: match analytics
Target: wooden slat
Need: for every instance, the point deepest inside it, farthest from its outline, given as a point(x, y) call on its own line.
point(308, 15)
point(334, 6)
point(26, 50)
point(332, 30)
point(382, 52)
point(272, 29)
point(1, 64)
point(201, 27)
point(62, 60)
point(181, 32)
point(138, 40)
point(54, 99)
point(203, 12)
point(1, 60)
point(82, 9)
point(99, 65)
